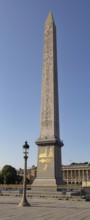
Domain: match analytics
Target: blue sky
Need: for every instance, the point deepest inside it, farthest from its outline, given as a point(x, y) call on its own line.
point(21, 55)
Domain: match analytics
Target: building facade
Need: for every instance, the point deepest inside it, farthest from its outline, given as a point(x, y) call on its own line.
point(74, 173)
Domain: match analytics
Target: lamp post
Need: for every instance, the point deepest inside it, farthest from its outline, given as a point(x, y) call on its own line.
point(24, 201)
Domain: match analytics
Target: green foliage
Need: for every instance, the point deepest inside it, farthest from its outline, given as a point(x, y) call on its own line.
point(19, 179)
point(73, 163)
point(9, 174)
point(1, 178)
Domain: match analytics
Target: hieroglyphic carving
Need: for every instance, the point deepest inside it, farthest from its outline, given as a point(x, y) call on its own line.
point(45, 158)
point(46, 152)
point(43, 154)
point(47, 84)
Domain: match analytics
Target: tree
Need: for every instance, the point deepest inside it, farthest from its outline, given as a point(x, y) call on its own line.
point(19, 179)
point(1, 178)
point(9, 174)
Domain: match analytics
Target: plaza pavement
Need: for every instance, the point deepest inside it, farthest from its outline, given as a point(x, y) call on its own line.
point(44, 209)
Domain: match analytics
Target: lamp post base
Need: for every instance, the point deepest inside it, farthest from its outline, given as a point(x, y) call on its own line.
point(24, 203)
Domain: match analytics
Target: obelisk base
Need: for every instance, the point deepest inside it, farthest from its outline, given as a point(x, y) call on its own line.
point(44, 185)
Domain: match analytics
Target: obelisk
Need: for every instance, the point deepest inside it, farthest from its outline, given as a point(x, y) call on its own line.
point(49, 173)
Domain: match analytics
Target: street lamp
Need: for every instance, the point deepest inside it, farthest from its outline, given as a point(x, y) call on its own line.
point(24, 201)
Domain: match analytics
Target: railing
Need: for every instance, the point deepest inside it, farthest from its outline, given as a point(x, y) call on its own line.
point(13, 186)
point(20, 186)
